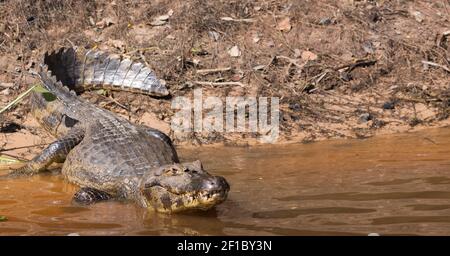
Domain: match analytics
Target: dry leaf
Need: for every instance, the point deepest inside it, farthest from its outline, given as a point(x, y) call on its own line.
point(234, 51)
point(418, 16)
point(256, 38)
point(214, 35)
point(284, 25)
point(307, 55)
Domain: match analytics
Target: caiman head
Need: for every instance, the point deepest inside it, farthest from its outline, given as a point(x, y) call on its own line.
point(182, 187)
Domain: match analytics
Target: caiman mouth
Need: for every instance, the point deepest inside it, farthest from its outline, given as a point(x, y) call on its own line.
point(168, 200)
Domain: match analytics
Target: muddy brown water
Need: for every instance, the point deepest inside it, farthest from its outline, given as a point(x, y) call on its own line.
point(391, 185)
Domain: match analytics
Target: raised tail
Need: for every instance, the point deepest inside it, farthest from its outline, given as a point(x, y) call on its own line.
point(54, 85)
point(102, 70)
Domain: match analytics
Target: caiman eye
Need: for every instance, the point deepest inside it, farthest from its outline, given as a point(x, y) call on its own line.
point(189, 171)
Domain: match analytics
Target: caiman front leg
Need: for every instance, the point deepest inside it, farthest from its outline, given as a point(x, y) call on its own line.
point(56, 152)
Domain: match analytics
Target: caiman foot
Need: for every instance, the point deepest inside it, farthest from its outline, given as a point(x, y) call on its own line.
point(90, 195)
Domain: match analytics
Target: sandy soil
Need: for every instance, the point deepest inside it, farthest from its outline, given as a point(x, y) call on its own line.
point(342, 69)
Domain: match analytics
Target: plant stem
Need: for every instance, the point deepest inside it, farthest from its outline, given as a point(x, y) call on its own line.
point(18, 99)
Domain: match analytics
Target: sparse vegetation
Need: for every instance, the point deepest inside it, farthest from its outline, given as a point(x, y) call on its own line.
point(328, 61)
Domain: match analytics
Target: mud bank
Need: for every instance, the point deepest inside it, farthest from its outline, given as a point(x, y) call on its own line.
point(341, 69)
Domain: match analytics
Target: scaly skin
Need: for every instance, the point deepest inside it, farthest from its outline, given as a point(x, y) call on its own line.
point(106, 155)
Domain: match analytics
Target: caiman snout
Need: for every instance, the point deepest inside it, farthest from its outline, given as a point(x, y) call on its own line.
point(183, 187)
point(215, 184)
point(213, 189)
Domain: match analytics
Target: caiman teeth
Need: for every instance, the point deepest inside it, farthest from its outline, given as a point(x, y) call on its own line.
point(209, 194)
point(191, 196)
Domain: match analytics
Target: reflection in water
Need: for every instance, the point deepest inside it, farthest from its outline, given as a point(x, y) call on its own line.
point(427, 207)
point(355, 196)
point(387, 185)
point(410, 219)
point(280, 214)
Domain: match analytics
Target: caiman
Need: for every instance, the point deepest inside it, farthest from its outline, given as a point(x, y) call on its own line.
point(106, 155)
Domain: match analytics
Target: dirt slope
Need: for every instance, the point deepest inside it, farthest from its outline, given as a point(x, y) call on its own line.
point(342, 69)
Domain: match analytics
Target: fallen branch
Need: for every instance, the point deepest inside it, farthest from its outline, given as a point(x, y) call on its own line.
point(237, 20)
point(32, 146)
point(290, 60)
point(436, 65)
point(219, 83)
point(117, 103)
point(212, 70)
point(358, 63)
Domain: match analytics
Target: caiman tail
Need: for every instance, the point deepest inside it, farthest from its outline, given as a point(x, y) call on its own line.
point(51, 83)
point(98, 69)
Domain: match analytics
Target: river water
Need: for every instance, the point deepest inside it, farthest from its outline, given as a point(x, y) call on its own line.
point(390, 185)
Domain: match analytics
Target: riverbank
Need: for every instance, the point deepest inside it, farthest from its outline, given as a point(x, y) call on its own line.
point(341, 69)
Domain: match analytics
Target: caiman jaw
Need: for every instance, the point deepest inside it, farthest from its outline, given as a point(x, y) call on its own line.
point(183, 190)
point(163, 200)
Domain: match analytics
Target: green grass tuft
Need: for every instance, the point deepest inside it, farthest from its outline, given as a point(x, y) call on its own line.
point(8, 160)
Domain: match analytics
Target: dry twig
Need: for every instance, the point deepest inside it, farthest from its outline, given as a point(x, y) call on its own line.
point(219, 83)
point(436, 65)
point(212, 70)
point(290, 60)
point(358, 63)
point(31, 146)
